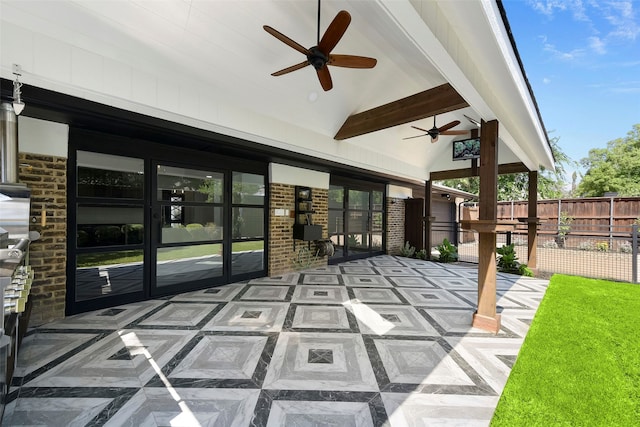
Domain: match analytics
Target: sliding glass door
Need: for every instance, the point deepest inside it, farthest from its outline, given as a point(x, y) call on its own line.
point(143, 226)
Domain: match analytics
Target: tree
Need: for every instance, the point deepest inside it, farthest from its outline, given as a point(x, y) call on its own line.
point(516, 186)
point(613, 169)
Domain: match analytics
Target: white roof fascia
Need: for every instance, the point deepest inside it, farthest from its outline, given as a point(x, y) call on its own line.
point(417, 27)
point(503, 41)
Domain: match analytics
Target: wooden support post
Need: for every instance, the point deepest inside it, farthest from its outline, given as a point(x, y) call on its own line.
point(474, 162)
point(428, 218)
point(486, 316)
point(532, 221)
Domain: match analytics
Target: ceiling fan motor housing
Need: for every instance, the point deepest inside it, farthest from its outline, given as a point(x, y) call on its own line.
point(317, 58)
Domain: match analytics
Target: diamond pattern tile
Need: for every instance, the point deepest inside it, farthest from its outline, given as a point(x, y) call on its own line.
point(317, 294)
point(383, 341)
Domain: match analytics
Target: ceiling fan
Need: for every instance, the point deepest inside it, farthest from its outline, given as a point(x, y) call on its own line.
point(320, 56)
point(435, 131)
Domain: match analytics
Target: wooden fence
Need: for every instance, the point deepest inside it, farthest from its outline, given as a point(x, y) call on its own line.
point(595, 215)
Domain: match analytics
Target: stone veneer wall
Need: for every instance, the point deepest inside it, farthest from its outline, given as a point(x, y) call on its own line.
point(46, 176)
point(395, 225)
point(282, 257)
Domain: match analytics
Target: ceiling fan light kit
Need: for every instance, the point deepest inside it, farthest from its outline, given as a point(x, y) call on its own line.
point(319, 56)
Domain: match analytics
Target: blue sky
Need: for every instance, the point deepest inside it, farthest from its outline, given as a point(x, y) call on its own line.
point(582, 58)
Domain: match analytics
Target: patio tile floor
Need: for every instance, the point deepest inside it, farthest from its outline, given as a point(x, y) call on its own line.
point(384, 341)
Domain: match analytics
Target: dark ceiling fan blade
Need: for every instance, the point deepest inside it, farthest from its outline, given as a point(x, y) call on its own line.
point(417, 136)
point(325, 78)
point(334, 32)
point(286, 40)
point(290, 69)
point(420, 129)
point(449, 126)
point(352, 61)
point(455, 132)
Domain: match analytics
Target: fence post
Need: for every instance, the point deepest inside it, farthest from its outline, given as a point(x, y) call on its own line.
point(634, 253)
point(611, 223)
point(559, 212)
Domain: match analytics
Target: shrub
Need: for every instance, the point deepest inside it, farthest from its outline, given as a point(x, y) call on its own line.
point(590, 245)
point(421, 254)
point(407, 250)
point(523, 270)
point(587, 246)
point(133, 233)
point(109, 235)
point(550, 244)
point(564, 226)
point(197, 231)
point(83, 239)
point(448, 252)
point(175, 234)
point(353, 241)
point(625, 247)
point(508, 261)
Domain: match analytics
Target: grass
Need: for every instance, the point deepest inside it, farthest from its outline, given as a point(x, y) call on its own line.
point(126, 257)
point(580, 362)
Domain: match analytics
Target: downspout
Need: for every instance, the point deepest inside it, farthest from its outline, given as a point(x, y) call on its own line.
point(8, 144)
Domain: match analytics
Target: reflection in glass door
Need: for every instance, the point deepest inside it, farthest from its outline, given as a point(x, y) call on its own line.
point(248, 224)
point(355, 222)
point(145, 227)
point(189, 225)
point(201, 235)
point(109, 227)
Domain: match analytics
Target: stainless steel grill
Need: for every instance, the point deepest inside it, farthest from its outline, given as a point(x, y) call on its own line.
point(16, 275)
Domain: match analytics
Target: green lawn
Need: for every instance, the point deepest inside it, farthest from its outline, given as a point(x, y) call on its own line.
point(580, 362)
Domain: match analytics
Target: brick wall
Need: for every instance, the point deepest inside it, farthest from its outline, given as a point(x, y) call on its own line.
point(282, 257)
point(46, 176)
point(395, 225)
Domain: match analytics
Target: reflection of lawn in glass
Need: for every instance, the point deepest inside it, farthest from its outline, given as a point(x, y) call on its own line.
point(128, 257)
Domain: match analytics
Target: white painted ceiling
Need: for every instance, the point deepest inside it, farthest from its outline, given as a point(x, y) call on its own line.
point(218, 60)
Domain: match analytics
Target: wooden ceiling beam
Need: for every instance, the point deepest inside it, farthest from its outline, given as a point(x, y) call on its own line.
point(439, 100)
point(503, 169)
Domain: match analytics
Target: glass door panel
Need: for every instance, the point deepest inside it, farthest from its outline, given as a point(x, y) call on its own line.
point(190, 185)
point(188, 235)
point(203, 223)
point(358, 221)
point(376, 242)
point(108, 176)
point(107, 274)
point(109, 226)
point(184, 264)
point(358, 199)
point(247, 257)
point(336, 220)
point(248, 224)
point(98, 225)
